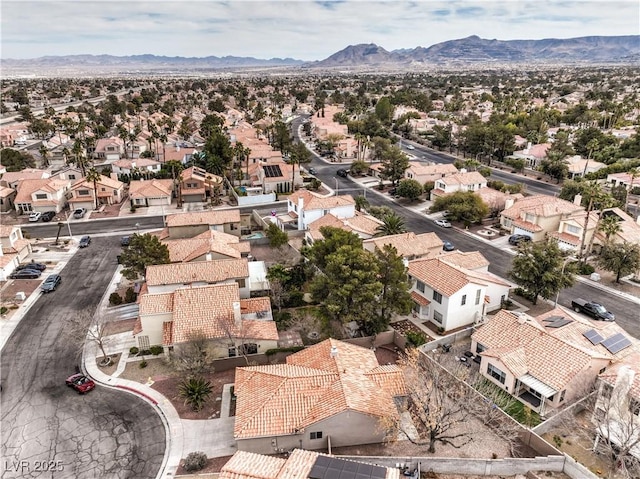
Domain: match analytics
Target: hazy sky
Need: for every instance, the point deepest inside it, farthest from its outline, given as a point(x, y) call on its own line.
point(301, 29)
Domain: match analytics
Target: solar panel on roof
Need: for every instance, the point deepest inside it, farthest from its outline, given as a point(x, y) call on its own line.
point(616, 343)
point(272, 171)
point(334, 468)
point(553, 318)
point(593, 336)
point(559, 323)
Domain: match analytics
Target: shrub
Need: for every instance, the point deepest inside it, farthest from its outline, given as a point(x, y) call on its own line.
point(130, 295)
point(282, 319)
point(557, 440)
point(415, 339)
point(296, 299)
point(195, 461)
point(143, 364)
point(133, 350)
point(292, 349)
point(195, 391)
point(586, 269)
point(133, 208)
point(3, 310)
point(115, 299)
point(155, 350)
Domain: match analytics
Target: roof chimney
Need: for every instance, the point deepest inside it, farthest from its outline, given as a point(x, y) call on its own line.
point(508, 203)
point(334, 351)
point(577, 200)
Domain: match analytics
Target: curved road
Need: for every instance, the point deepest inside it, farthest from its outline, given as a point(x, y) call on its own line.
point(48, 430)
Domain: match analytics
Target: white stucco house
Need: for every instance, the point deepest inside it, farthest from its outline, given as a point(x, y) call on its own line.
point(305, 207)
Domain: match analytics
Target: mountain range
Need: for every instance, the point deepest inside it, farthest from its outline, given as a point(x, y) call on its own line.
point(465, 51)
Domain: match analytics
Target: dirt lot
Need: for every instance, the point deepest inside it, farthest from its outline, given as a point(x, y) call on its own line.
point(405, 326)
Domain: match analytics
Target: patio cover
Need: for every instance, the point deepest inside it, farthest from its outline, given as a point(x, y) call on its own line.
point(533, 383)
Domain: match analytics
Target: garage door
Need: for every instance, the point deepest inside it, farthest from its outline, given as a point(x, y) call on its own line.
point(158, 201)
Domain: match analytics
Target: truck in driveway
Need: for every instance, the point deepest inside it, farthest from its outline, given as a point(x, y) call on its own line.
point(595, 310)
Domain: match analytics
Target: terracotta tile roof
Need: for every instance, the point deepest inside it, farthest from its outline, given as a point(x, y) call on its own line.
point(468, 260)
point(211, 241)
point(7, 258)
point(313, 201)
point(6, 230)
point(281, 399)
point(200, 271)
point(155, 303)
point(135, 163)
point(27, 174)
point(418, 298)
point(566, 238)
point(541, 205)
point(5, 191)
point(408, 244)
point(150, 188)
point(469, 178)
point(440, 276)
point(419, 169)
point(527, 226)
point(364, 223)
point(358, 224)
point(200, 174)
point(18, 246)
point(109, 183)
point(255, 305)
point(526, 344)
point(211, 218)
point(26, 188)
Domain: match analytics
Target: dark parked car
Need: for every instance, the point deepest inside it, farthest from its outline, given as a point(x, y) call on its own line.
point(25, 274)
point(80, 383)
point(48, 216)
point(517, 239)
point(51, 283)
point(124, 241)
point(448, 246)
point(342, 172)
point(36, 266)
point(84, 241)
point(312, 171)
point(595, 310)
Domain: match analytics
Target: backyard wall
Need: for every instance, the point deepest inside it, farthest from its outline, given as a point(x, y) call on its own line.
point(448, 339)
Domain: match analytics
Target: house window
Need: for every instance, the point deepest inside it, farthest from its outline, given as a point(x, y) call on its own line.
point(83, 193)
point(437, 297)
point(232, 352)
point(103, 189)
point(437, 317)
point(233, 226)
point(143, 342)
point(420, 286)
point(72, 177)
point(529, 218)
point(562, 395)
point(573, 229)
point(315, 435)
point(241, 282)
point(41, 196)
point(478, 294)
point(464, 300)
point(480, 348)
point(249, 348)
point(496, 374)
point(602, 370)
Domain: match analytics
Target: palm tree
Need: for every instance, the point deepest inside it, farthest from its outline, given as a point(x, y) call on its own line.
point(44, 153)
point(361, 203)
point(392, 224)
point(592, 145)
point(634, 172)
point(610, 226)
point(94, 176)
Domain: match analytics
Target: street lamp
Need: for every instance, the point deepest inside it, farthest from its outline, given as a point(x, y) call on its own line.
point(564, 265)
point(137, 228)
point(69, 224)
point(336, 190)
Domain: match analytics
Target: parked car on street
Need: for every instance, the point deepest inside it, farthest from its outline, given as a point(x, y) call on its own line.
point(80, 383)
point(443, 223)
point(79, 212)
point(595, 310)
point(35, 216)
point(51, 283)
point(518, 238)
point(312, 171)
point(448, 246)
point(124, 241)
point(32, 265)
point(25, 274)
point(84, 242)
point(48, 216)
point(342, 172)
point(410, 147)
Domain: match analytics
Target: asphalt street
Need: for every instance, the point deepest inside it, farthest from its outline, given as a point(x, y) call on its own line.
point(48, 430)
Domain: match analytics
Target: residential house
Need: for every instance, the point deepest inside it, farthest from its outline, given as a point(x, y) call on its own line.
point(164, 278)
point(532, 154)
point(207, 246)
point(151, 192)
point(14, 249)
point(331, 391)
point(629, 228)
point(109, 192)
point(547, 361)
point(451, 296)
point(617, 410)
point(429, 173)
point(188, 225)
point(71, 173)
point(408, 245)
point(109, 149)
point(196, 185)
point(11, 179)
point(571, 230)
point(578, 166)
point(298, 464)
point(536, 216)
point(233, 325)
point(624, 179)
point(274, 176)
point(141, 165)
point(463, 181)
point(176, 153)
point(497, 200)
point(7, 198)
point(323, 124)
point(365, 226)
point(49, 194)
point(304, 207)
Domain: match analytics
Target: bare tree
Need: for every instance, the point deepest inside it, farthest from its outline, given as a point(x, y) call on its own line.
point(86, 326)
point(194, 356)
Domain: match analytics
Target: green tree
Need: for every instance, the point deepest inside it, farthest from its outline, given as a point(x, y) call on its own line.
point(538, 268)
point(395, 296)
point(555, 166)
point(384, 110)
point(394, 164)
point(392, 224)
point(93, 176)
point(619, 258)
point(195, 391)
point(410, 189)
point(334, 238)
point(277, 237)
point(361, 203)
point(143, 250)
point(14, 160)
point(299, 156)
point(359, 167)
point(463, 206)
point(610, 226)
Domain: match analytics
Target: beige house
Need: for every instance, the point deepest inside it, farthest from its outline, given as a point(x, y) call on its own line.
point(463, 181)
point(274, 176)
point(7, 198)
point(188, 225)
point(346, 394)
point(537, 216)
point(127, 167)
point(109, 192)
point(196, 185)
point(298, 464)
point(151, 192)
point(48, 194)
point(11, 179)
point(363, 225)
point(408, 245)
point(207, 246)
point(429, 173)
point(109, 149)
point(629, 228)
point(234, 326)
point(548, 360)
point(571, 228)
point(14, 249)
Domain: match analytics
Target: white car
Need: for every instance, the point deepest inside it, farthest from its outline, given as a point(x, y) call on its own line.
point(35, 216)
point(410, 147)
point(443, 223)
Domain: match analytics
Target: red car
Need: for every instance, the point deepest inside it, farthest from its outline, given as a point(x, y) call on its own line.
point(80, 383)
